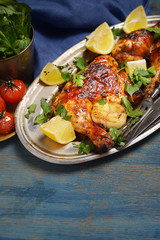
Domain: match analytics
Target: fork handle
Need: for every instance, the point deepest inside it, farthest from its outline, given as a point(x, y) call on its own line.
point(156, 92)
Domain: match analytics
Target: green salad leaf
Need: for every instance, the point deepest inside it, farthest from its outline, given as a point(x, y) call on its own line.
point(15, 27)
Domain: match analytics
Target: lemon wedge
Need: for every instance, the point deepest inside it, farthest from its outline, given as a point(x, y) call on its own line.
point(135, 20)
point(101, 40)
point(132, 65)
point(59, 130)
point(51, 75)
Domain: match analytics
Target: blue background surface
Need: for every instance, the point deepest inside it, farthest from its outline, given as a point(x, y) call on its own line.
point(116, 197)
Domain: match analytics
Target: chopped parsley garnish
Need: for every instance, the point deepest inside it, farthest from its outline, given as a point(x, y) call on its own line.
point(131, 89)
point(78, 79)
point(84, 147)
point(139, 77)
point(129, 109)
point(102, 101)
point(66, 75)
point(122, 66)
point(63, 112)
point(42, 118)
point(156, 31)
point(81, 62)
point(30, 109)
point(115, 135)
point(116, 32)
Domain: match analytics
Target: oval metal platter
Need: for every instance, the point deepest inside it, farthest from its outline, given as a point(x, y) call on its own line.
point(31, 136)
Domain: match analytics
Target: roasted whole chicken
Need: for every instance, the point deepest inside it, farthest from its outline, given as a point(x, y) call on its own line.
point(102, 81)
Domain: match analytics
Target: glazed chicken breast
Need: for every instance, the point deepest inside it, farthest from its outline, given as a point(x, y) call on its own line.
point(102, 81)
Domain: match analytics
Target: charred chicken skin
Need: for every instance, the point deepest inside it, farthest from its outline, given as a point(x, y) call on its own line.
point(133, 46)
point(154, 61)
point(102, 81)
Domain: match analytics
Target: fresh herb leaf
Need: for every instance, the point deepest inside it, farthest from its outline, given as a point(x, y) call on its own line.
point(131, 89)
point(15, 27)
point(102, 101)
point(63, 112)
point(78, 79)
point(66, 75)
point(84, 147)
point(62, 67)
point(139, 77)
point(68, 117)
point(129, 109)
point(156, 31)
point(31, 109)
point(81, 62)
point(46, 108)
point(123, 66)
point(116, 32)
point(115, 135)
point(151, 70)
point(40, 119)
point(142, 76)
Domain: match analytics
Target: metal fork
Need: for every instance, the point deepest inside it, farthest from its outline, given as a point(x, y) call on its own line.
point(127, 132)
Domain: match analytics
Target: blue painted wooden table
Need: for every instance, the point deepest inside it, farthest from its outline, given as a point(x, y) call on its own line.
point(116, 197)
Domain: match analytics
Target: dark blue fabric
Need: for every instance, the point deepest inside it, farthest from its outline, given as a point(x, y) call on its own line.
point(59, 24)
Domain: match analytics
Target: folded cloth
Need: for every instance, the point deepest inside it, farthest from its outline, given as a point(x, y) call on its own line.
point(59, 24)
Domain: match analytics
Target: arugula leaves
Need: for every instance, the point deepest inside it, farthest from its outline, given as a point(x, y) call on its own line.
point(15, 27)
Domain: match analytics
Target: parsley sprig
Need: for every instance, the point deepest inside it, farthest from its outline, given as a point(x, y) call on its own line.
point(30, 109)
point(155, 30)
point(117, 32)
point(116, 137)
point(78, 79)
point(63, 112)
point(133, 113)
point(84, 146)
point(42, 118)
point(139, 78)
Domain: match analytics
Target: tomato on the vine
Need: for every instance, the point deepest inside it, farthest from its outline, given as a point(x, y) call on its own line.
point(7, 123)
point(12, 91)
point(2, 105)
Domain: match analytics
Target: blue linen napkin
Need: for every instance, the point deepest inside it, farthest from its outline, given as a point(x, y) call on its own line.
point(59, 24)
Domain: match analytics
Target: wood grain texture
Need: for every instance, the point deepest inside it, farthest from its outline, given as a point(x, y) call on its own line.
point(113, 198)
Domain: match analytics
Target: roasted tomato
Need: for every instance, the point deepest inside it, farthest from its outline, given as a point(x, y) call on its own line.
point(12, 91)
point(2, 105)
point(7, 123)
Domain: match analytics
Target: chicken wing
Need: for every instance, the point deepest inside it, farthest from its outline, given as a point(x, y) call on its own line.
point(133, 46)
